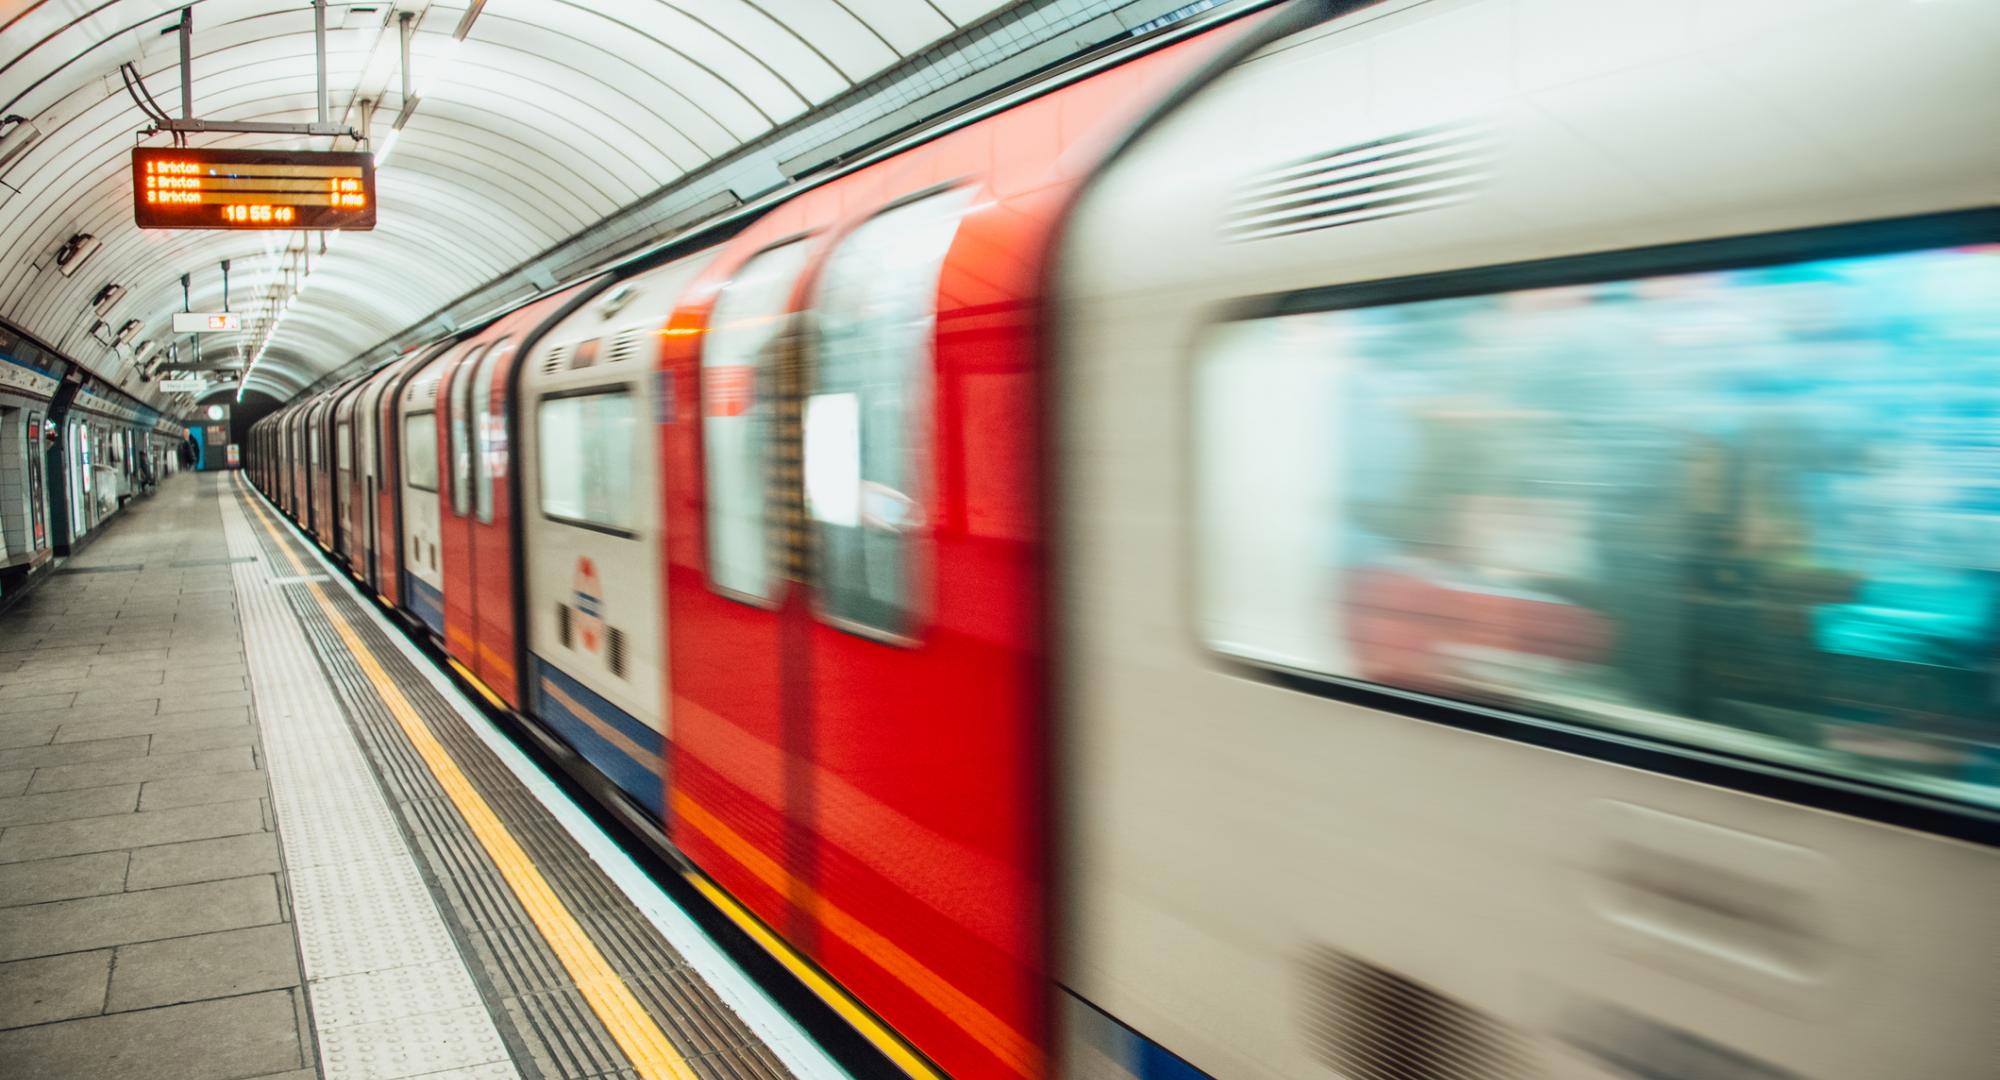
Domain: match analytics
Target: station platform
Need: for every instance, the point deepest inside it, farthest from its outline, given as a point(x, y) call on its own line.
point(247, 829)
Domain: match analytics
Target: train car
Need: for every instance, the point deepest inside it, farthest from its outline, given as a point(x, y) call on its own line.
point(859, 739)
point(263, 455)
point(419, 437)
point(390, 549)
point(295, 455)
point(476, 512)
point(346, 476)
point(1499, 635)
point(592, 529)
point(364, 559)
point(26, 388)
point(322, 505)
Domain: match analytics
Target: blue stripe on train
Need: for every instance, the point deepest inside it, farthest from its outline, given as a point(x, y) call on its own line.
point(426, 602)
point(558, 699)
point(1133, 1054)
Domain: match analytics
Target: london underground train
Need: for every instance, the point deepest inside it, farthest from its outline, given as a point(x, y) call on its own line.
point(74, 452)
point(1455, 539)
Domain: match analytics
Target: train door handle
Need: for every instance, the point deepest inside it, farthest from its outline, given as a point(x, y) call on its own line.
point(1758, 916)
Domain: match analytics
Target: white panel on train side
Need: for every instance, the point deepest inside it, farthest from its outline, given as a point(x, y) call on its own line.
point(614, 575)
point(1221, 832)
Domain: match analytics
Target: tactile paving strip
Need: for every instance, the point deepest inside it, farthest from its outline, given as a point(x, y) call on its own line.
point(548, 1018)
point(365, 920)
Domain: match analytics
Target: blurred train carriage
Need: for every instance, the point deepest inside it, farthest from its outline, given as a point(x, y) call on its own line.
point(72, 453)
point(1491, 574)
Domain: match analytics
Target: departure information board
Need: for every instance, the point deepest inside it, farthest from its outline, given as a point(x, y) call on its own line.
point(252, 189)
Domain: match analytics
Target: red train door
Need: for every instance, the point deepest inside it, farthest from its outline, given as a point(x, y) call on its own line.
point(295, 436)
point(455, 486)
point(478, 527)
point(319, 451)
point(858, 751)
point(346, 477)
point(728, 799)
point(916, 453)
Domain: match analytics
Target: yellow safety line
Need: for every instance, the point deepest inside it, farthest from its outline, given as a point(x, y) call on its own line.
point(486, 692)
point(972, 1017)
point(652, 1054)
point(843, 1003)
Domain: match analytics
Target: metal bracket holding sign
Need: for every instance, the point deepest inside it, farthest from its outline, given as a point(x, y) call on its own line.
point(187, 123)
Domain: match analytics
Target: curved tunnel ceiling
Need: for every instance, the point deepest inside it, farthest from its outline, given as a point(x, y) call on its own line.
point(547, 116)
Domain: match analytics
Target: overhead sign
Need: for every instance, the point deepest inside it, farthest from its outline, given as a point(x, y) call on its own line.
point(206, 322)
point(178, 386)
point(252, 189)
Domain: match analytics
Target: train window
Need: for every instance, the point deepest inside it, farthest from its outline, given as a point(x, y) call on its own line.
point(1754, 510)
point(343, 449)
point(586, 451)
point(737, 397)
point(867, 418)
point(420, 467)
point(489, 435)
point(459, 415)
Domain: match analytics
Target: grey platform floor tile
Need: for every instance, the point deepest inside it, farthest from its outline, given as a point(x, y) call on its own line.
point(97, 921)
point(118, 710)
point(36, 732)
point(156, 767)
point(51, 988)
point(199, 790)
point(35, 757)
point(134, 650)
point(193, 702)
point(66, 878)
point(118, 690)
point(197, 657)
point(203, 624)
point(13, 705)
point(52, 652)
point(186, 669)
point(207, 1040)
point(46, 840)
point(28, 666)
point(14, 781)
point(84, 682)
point(206, 668)
point(204, 966)
point(203, 860)
point(78, 635)
point(205, 738)
point(53, 679)
point(151, 724)
point(64, 805)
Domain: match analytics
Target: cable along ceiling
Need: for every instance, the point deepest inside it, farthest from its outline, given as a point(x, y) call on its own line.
point(527, 121)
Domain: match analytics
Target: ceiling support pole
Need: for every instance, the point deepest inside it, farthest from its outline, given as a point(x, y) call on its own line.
point(187, 63)
point(319, 52)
